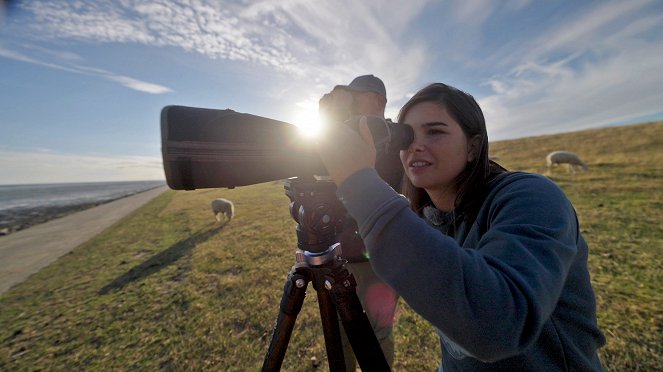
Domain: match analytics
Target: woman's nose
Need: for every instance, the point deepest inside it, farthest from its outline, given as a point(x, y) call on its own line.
point(416, 145)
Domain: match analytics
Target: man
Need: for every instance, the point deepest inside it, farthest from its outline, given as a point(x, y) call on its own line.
point(365, 96)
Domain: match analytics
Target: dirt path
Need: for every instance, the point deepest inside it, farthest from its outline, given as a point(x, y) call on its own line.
point(25, 252)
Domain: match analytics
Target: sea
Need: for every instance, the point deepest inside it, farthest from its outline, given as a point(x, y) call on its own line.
point(22, 206)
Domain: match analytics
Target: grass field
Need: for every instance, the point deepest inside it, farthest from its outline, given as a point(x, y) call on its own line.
point(168, 288)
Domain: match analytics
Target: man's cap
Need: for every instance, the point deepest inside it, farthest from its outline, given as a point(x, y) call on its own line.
point(366, 83)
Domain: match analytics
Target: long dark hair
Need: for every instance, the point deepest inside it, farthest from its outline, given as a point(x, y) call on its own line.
point(471, 184)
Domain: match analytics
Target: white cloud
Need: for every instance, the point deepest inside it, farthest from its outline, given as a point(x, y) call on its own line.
point(44, 166)
point(596, 69)
point(476, 12)
point(557, 97)
point(209, 28)
point(472, 11)
point(140, 85)
point(18, 56)
point(334, 41)
point(327, 42)
point(126, 81)
point(581, 71)
point(586, 31)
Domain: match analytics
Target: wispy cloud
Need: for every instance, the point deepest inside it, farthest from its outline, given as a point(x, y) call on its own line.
point(597, 68)
point(295, 37)
point(46, 166)
point(581, 70)
point(587, 31)
point(209, 28)
point(139, 85)
point(126, 81)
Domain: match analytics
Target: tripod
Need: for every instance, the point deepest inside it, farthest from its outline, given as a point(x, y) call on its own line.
point(319, 217)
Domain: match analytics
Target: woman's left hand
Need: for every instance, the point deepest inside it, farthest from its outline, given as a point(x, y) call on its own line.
point(344, 151)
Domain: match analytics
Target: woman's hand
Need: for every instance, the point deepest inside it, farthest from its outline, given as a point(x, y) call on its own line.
point(344, 151)
point(335, 107)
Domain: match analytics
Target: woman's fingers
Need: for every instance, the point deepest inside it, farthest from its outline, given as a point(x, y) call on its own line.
point(367, 137)
point(344, 151)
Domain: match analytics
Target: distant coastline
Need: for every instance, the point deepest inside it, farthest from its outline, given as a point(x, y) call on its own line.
point(24, 206)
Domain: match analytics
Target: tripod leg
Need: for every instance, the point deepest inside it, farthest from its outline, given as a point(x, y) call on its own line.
point(358, 328)
point(331, 330)
point(292, 300)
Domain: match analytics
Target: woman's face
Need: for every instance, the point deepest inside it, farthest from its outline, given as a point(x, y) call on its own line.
point(440, 150)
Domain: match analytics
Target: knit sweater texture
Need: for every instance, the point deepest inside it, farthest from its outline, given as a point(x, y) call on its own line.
point(509, 290)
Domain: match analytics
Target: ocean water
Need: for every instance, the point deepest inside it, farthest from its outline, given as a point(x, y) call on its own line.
point(22, 206)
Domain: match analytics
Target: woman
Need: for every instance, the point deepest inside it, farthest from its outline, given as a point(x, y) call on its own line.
point(494, 260)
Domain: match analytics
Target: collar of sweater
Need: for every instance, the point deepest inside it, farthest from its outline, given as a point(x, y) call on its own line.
point(437, 217)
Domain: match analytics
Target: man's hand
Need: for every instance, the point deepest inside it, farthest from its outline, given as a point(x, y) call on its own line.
point(344, 151)
point(335, 107)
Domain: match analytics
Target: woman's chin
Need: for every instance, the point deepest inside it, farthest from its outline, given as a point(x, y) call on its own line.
point(419, 183)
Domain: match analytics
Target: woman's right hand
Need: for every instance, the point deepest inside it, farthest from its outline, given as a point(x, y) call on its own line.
point(344, 151)
point(335, 107)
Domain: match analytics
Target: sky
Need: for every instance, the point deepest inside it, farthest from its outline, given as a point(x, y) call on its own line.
point(82, 83)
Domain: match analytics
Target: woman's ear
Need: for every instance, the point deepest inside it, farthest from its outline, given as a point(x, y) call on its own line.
point(473, 147)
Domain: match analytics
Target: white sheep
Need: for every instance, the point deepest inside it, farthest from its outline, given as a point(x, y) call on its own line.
point(222, 207)
point(565, 157)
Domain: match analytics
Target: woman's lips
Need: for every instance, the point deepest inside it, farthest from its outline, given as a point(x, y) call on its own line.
point(416, 166)
point(419, 163)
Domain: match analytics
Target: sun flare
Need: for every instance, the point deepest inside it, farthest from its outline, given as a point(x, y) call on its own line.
point(306, 118)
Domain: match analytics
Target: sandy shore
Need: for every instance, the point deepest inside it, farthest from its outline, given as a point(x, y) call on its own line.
point(27, 251)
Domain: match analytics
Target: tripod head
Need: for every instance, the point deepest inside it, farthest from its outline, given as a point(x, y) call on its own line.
point(320, 216)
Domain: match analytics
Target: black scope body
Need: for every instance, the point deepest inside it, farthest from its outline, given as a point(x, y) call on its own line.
point(212, 148)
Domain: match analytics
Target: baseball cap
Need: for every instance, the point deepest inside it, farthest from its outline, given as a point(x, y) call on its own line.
point(366, 83)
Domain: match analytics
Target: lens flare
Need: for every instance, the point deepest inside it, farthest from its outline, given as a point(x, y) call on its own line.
point(308, 123)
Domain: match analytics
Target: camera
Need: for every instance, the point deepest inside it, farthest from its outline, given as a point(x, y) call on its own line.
point(212, 148)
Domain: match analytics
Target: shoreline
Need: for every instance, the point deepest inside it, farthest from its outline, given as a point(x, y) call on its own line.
point(29, 217)
point(36, 216)
point(26, 252)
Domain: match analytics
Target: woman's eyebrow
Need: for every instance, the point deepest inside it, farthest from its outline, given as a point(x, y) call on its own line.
point(435, 124)
point(431, 124)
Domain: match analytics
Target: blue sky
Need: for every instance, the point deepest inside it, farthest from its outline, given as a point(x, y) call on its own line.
point(83, 82)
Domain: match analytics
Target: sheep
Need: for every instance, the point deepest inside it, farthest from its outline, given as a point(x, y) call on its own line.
point(221, 207)
point(565, 157)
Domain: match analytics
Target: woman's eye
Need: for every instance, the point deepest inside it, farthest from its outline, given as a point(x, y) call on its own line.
point(434, 131)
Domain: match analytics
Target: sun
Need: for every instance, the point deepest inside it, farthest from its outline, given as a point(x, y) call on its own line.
point(306, 118)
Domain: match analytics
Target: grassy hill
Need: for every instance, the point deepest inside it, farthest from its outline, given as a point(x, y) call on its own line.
point(168, 288)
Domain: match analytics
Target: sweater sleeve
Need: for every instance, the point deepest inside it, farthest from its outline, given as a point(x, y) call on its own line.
point(491, 300)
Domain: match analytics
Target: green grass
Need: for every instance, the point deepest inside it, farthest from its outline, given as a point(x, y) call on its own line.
point(168, 288)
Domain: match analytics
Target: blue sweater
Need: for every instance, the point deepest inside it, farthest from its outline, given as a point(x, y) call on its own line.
point(510, 291)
